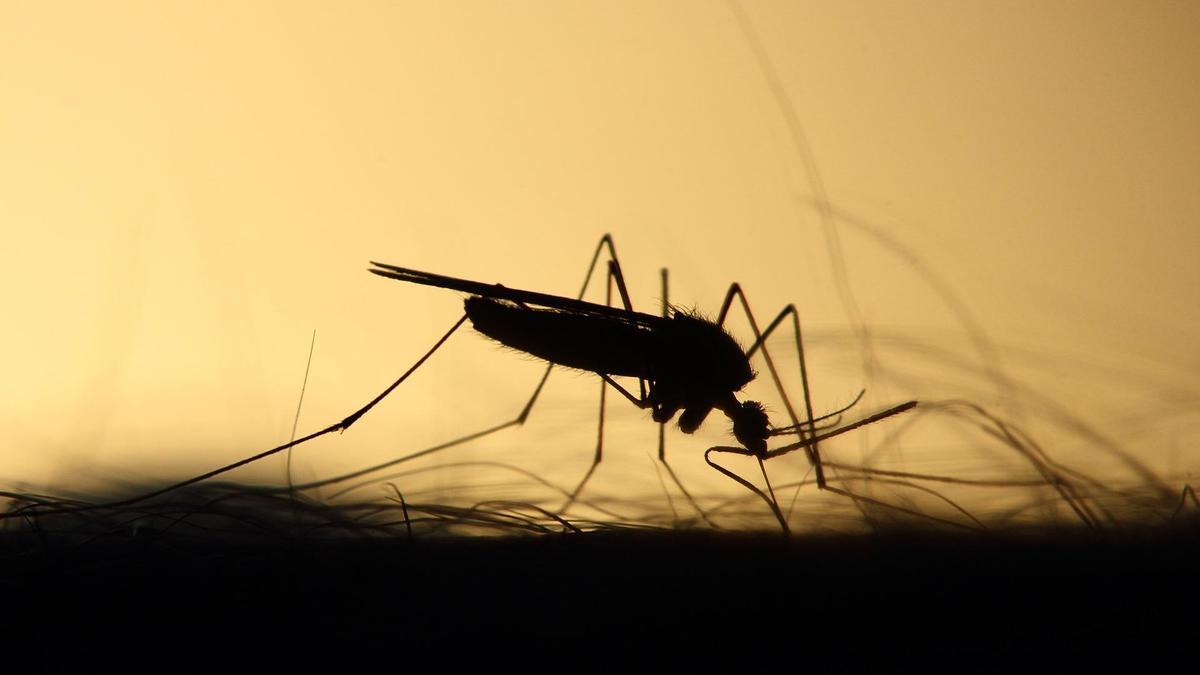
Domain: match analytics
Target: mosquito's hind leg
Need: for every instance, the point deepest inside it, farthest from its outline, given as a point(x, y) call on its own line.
point(351, 419)
point(614, 276)
point(522, 416)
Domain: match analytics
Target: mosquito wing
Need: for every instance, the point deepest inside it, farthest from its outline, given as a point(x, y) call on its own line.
point(513, 294)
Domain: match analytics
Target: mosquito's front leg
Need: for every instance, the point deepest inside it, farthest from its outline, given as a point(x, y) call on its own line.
point(802, 429)
point(760, 338)
point(614, 276)
point(340, 426)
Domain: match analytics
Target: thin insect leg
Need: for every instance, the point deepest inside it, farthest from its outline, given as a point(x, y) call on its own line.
point(809, 436)
point(613, 276)
point(771, 501)
point(354, 417)
point(340, 426)
point(614, 272)
point(639, 402)
point(662, 426)
point(605, 242)
point(662, 435)
point(814, 457)
point(616, 277)
point(760, 337)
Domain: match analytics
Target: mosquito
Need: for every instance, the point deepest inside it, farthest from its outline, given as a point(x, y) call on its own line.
point(684, 364)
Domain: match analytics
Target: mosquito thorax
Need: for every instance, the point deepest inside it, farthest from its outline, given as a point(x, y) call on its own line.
point(701, 355)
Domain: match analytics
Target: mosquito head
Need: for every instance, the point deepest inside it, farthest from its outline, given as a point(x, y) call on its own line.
point(749, 424)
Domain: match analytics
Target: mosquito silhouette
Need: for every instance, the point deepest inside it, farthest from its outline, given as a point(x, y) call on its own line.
point(684, 364)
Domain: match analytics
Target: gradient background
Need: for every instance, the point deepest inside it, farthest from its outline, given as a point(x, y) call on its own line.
point(189, 190)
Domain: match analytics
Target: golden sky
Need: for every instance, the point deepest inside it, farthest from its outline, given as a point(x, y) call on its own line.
point(189, 190)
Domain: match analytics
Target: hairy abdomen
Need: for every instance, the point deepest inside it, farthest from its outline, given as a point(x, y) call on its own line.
point(592, 343)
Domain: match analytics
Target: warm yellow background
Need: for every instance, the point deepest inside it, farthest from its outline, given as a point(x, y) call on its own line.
point(189, 189)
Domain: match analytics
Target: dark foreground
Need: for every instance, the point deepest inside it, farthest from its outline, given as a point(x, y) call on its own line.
point(647, 601)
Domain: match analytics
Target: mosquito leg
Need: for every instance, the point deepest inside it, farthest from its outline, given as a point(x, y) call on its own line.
point(340, 426)
point(614, 269)
point(614, 274)
point(354, 416)
point(616, 277)
point(662, 426)
point(760, 337)
point(770, 500)
point(809, 438)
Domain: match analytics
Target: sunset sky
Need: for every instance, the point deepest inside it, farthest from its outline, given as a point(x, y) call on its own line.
point(189, 190)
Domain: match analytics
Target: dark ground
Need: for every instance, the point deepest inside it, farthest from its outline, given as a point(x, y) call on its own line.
point(673, 602)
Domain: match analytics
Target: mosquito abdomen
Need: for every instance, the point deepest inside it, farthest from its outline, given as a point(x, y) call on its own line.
point(597, 344)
